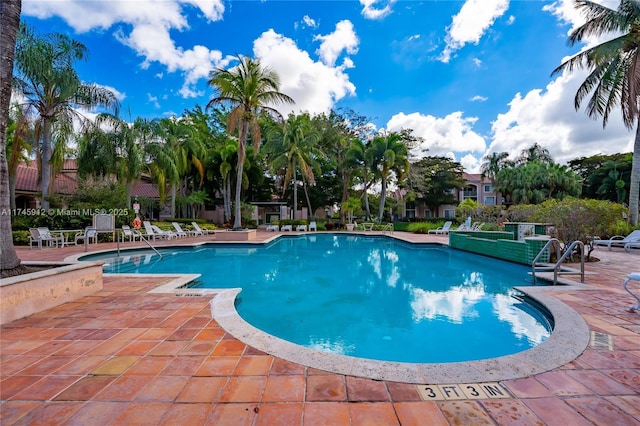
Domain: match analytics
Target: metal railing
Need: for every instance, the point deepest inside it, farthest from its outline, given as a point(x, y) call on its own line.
point(387, 227)
point(557, 267)
point(142, 238)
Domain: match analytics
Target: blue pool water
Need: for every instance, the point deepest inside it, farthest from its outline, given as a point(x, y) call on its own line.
point(365, 296)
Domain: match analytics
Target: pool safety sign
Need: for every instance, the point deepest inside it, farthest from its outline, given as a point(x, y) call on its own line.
point(490, 390)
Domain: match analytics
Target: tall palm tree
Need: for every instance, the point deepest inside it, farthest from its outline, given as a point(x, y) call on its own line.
point(493, 164)
point(614, 76)
point(52, 87)
point(250, 89)
point(19, 146)
point(294, 147)
point(390, 155)
point(9, 23)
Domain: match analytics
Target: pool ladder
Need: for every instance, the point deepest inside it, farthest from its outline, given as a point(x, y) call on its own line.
point(557, 268)
point(142, 238)
point(388, 228)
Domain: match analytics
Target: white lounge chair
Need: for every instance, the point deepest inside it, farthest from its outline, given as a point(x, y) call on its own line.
point(301, 228)
point(619, 240)
point(272, 228)
point(286, 228)
point(179, 232)
point(198, 230)
point(153, 231)
point(629, 246)
point(86, 236)
point(442, 230)
point(313, 226)
point(131, 234)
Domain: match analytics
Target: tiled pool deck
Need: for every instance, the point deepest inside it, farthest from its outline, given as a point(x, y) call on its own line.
point(125, 356)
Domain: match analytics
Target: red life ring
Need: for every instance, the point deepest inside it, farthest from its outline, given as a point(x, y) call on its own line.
point(137, 223)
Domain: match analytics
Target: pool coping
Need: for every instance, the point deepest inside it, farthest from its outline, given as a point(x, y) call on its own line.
point(569, 338)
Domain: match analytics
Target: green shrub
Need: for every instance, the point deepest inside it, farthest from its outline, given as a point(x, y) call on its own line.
point(20, 238)
point(422, 227)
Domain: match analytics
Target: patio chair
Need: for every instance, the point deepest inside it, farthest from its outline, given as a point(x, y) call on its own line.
point(90, 233)
point(132, 234)
point(273, 228)
point(442, 230)
point(619, 240)
point(634, 276)
point(198, 230)
point(313, 226)
point(286, 228)
point(35, 236)
point(301, 228)
point(153, 231)
point(50, 237)
point(179, 232)
point(629, 246)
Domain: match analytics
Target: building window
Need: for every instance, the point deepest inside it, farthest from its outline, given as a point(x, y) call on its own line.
point(470, 192)
point(449, 213)
point(410, 209)
point(489, 201)
point(488, 188)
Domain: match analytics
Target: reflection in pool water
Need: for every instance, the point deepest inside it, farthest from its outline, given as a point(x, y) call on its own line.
point(369, 297)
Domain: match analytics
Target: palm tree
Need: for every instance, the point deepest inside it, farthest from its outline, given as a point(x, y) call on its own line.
point(9, 23)
point(19, 146)
point(293, 147)
point(250, 88)
point(52, 87)
point(534, 153)
point(613, 79)
point(493, 164)
point(390, 154)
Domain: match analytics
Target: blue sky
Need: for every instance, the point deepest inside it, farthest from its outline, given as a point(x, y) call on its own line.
point(469, 77)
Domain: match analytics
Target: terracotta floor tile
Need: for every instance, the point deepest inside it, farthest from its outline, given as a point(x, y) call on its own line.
point(373, 413)
point(202, 389)
point(511, 412)
point(601, 412)
point(115, 366)
point(82, 365)
point(103, 334)
point(416, 413)
point(253, 365)
point(326, 413)
point(464, 413)
point(629, 404)
point(48, 365)
point(213, 334)
point(130, 334)
point(110, 347)
point(15, 384)
point(326, 388)
point(284, 389)
point(76, 334)
point(218, 366)
point(244, 389)
point(149, 365)
point(183, 334)
point(17, 363)
point(123, 388)
point(49, 347)
point(280, 366)
point(162, 389)
point(46, 389)
point(183, 366)
point(600, 383)
point(169, 348)
point(155, 333)
point(527, 388)
point(280, 414)
point(359, 389)
point(403, 392)
point(138, 348)
point(187, 414)
point(629, 378)
point(233, 414)
point(142, 413)
point(554, 411)
point(51, 413)
point(562, 384)
point(12, 411)
point(84, 389)
point(229, 347)
point(77, 348)
point(198, 347)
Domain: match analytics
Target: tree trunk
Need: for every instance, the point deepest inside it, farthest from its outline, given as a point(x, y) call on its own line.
point(306, 194)
point(383, 199)
point(634, 189)
point(45, 166)
point(173, 200)
point(237, 223)
point(10, 20)
point(295, 192)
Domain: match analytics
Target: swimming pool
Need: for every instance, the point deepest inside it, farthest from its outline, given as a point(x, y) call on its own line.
point(367, 297)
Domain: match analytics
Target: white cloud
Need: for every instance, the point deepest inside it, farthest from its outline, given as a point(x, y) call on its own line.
point(478, 98)
point(315, 86)
point(146, 29)
point(309, 21)
point(153, 100)
point(118, 94)
point(332, 45)
point(548, 117)
point(376, 9)
point(469, 25)
point(442, 136)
